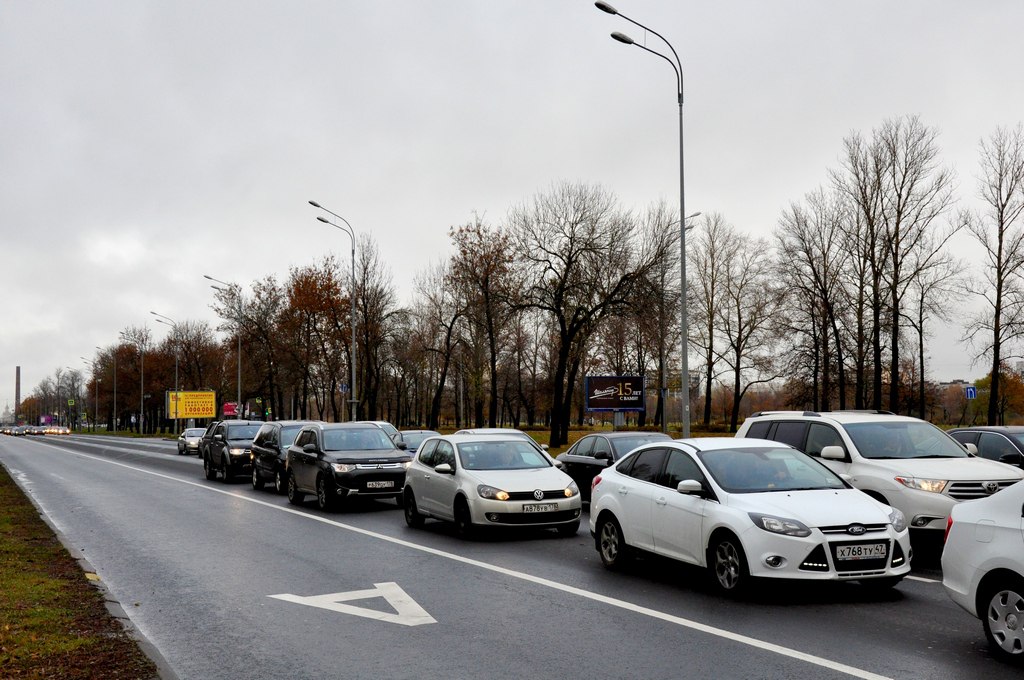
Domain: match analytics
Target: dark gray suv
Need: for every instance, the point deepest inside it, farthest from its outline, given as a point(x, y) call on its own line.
point(229, 451)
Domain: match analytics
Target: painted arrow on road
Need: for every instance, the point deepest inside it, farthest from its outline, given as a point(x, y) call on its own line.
point(407, 612)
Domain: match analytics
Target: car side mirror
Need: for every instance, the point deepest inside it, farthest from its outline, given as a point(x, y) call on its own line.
point(218, 437)
point(602, 455)
point(690, 487)
point(833, 453)
point(402, 445)
point(973, 449)
point(309, 448)
point(1010, 459)
point(444, 469)
point(557, 463)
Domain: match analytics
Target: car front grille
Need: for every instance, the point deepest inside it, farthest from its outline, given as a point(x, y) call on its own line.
point(526, 518)
point(528, 495)
point(844, 528)
point(965, 491)
point(379, 466)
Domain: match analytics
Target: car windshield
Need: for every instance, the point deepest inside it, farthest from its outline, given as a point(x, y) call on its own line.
point(760, 470)
point(288, 434)
point(501, 455)
point(414, 439)
point(194, 432)
point(1018, 436)
point(357, 439)
point(624, 445)
point(882, 440)
point(242, 431)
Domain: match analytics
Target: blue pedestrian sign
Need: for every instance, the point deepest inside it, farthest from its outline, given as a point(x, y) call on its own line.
point(972, 392)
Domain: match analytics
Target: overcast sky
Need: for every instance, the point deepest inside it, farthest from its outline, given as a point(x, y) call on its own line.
point(146, 143)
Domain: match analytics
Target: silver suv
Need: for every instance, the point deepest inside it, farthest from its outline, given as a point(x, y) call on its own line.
point(904, 462)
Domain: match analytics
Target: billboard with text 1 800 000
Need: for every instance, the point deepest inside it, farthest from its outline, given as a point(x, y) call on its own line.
point(614, 392)
point(192, 404)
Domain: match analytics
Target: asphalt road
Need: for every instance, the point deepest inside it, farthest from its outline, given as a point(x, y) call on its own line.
point(226, 582)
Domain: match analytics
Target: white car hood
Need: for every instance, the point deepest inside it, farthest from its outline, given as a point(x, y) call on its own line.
point(547, 479)
point(818, 508)
point(966, 469)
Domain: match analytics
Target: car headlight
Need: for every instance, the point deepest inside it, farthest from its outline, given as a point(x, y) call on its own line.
point(492, 493)
point(343, 467)
point(780, 525)
point(407, 464)
point(572, 490)
point(898, 521)
point(932, 485)
point(236, 452)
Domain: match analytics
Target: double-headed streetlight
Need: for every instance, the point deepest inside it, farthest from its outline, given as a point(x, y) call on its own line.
point(238, 327)
point(168, 321)
point(113, 412)
point(678, 68)
point(352, 297)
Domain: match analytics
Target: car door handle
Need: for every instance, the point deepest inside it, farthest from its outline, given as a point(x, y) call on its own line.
point(623, 490)
point(661, 501)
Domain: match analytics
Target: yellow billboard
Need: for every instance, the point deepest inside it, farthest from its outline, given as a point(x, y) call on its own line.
point(191, 404)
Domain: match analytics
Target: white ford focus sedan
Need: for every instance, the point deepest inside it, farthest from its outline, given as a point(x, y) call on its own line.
point(745, 508)
point(486, 480)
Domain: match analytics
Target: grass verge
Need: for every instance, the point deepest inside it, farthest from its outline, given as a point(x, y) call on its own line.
point(53, 622)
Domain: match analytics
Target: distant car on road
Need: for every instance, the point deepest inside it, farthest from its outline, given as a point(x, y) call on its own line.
point(188, 440)
point(229, 451)
point(413, 438)
point(594, 452)
point(338, 461)
point(1004, 443)
point(390, 429)
point(983, 567)
point(270, 453)
point(480, 481)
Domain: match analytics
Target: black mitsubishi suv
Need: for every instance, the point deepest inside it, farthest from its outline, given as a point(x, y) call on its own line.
point(338, 461)
point(229, 451)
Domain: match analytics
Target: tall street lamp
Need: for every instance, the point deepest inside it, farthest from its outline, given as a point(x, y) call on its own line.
point(113, 408)
point(168, 321)
point(238, 327)
point(678, 68)
point(354, 401)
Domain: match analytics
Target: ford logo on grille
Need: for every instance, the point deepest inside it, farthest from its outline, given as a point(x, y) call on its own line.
point(856, 529)
point(538, 494)
point(990, 487)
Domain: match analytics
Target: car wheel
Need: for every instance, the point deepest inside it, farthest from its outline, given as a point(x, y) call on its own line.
point(728, 565)
point(208, 470)
point(295, 497)
point(280, 485)
point(181, 451)
point(257, 481)
point(1002, 614)
point(412, 515)
point(324, 494)
point(463, 519)
point(611, 545)
point(225, 470)
point(569, 529)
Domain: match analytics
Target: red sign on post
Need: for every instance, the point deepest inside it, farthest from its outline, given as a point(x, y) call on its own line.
point(230, 408)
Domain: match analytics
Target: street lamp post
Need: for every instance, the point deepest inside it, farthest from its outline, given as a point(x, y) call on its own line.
point(168, 321)
point(238, 328)
point(678, 68)
point(96, 399)
point(354, 401)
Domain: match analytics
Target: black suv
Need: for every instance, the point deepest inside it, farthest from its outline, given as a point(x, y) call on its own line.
point(229, 450)
point(204, 441)
point(270, 452)
point(339, 460)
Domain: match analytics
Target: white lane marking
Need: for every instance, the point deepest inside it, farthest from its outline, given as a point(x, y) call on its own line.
point(922, 579)
point(407, 611)
point(536, 580)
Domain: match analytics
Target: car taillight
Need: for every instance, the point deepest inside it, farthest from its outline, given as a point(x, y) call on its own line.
point(949, 525)
point(593, 484)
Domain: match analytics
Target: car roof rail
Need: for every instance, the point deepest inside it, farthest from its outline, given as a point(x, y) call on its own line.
point(783, 413)
point(871, 411)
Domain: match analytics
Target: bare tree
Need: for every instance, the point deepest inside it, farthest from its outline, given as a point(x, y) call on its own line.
point(579, 260)
point(745, 319)
point(441, 307)
point(1000, 231)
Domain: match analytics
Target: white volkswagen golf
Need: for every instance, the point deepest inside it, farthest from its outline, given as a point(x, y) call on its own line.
point(745, 508)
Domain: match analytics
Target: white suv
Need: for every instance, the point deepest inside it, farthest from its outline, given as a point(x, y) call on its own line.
point(983, 568)
point(903, 462)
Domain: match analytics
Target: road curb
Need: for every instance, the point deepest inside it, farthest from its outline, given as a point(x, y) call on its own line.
point(163, 668)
